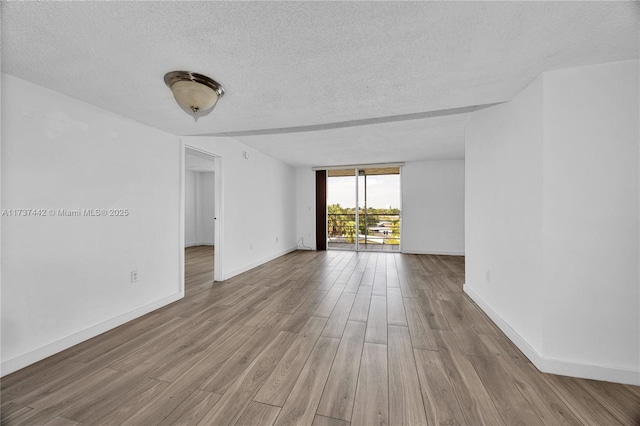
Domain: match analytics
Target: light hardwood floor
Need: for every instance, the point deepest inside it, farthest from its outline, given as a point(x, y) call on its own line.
point(311, 338)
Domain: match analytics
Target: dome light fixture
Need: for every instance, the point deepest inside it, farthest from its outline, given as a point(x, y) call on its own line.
point(196, 94)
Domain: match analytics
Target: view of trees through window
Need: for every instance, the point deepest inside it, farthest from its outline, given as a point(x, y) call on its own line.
point(342, 223)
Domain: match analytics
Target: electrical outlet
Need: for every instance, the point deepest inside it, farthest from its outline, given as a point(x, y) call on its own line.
point(276, 239)
point(488, 275)
point(134, 276)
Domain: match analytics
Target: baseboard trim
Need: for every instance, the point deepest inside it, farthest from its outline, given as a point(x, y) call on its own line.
point(433, 252)
point(198, 245)
point(593, 372)
point(556, 366)
point(19, 362)
point(522, 344)
point(262, 261)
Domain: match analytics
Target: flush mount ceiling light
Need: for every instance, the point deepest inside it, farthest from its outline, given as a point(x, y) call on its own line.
point(196, 94)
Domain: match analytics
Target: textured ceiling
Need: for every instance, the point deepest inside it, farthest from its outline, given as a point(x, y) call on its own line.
point(297, 64)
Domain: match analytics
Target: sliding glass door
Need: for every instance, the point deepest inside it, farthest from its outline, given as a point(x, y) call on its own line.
point(341, 209)
point(363, 209)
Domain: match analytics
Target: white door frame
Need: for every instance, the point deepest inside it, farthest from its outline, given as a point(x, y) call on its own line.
point(218, 226)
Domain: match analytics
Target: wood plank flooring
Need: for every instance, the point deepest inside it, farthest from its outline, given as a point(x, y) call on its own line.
point(311, 338)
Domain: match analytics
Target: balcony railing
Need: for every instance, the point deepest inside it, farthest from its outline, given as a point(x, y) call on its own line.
point(376, 231)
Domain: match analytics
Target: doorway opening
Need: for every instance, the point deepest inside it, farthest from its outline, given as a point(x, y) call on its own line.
point(200, 216)
point(364, 209)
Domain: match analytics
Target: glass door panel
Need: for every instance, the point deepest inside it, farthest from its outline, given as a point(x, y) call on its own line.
point(379, 209)
point(341, 209)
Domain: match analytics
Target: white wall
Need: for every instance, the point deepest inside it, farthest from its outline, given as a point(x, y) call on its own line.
point(553, 211)
point(65, 279)
point(258, 204)
point(591, 145)
point(306, 206)
point(190, 200)
point(205, 208)
point(199, 208)
point(433, 207)
point(503, 217)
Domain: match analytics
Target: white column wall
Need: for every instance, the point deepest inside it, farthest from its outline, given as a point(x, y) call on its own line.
point(553, 213)
point(68, 278)
point(503, 216)
point(591, 214)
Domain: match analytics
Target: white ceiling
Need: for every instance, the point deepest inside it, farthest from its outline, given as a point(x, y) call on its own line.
point(371, 66)
point(427, 138)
